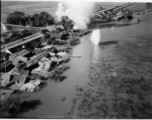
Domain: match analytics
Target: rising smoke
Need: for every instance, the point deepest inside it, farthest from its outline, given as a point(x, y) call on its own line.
point(79, 12)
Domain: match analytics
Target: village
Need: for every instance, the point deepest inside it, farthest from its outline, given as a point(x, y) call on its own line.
point(35, 50)
point(26, 70)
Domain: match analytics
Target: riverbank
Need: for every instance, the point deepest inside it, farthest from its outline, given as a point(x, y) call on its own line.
point(10, 92)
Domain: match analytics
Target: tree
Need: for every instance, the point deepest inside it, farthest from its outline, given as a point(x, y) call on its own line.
point(9, 27)
point(43, 19)
point(44, 31)
point(47, 36)
point(15, 36)
point(37, 20)
point(29, 47)
point(26, 33)
point(66, 23)
point(64, 35)
point(16, 18)
point(47, 55)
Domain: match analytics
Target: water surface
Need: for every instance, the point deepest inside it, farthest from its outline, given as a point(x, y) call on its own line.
point(108, 81)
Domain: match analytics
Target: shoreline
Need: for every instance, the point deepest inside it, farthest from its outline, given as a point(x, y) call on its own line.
point(61, 68)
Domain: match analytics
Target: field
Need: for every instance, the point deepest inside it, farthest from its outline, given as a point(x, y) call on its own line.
point(27, 7)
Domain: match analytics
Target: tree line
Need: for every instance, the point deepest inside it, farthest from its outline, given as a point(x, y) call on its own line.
point(42, 19)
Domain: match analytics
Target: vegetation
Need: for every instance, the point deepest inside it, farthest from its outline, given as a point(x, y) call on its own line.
point(13, 106)
point(44, 31)
point(61, 31)
point(9, 27)
point(149, 5)
point(37, 20)
point(30, 46)
point(67, 23)
point(17, 18)
point(18, 35)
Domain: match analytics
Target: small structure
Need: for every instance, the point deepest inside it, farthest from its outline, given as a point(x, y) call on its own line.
point(19, 58)
point(20, 72)
point(32, 86)
point(20, 53)
point(6, 76)
point(47, 47)
point(33, 60)
point(20, 79)
point(15, 62)
point(5, 79)
point(38, 50)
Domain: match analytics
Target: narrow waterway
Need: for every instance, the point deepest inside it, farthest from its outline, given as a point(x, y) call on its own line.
point(97, 78)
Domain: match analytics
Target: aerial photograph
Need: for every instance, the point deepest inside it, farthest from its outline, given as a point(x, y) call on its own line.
point(76, 60)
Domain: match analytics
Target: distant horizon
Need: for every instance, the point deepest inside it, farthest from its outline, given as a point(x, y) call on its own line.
point(31, 7)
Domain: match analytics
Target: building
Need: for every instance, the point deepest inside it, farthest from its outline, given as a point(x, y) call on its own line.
point(20, 79)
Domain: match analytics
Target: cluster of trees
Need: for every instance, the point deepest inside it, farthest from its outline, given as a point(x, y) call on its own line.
point(30, 46)
point(18, 35)
point(63, 30)
point(37, 20)
point(48, 36)
point(42, 19)
point(66, 23)
point(17, 18)
point(149, 5)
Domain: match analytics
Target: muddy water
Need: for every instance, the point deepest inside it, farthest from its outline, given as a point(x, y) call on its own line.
point(108, 81)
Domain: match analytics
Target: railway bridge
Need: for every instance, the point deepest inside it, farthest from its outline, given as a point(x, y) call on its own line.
point(103, 12)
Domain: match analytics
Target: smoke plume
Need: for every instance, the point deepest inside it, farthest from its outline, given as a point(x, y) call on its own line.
point(79, 12)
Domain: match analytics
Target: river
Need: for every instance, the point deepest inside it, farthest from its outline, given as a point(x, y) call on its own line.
point(96, 85)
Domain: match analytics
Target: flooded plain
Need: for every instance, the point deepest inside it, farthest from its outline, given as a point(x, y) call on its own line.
point(110, 80)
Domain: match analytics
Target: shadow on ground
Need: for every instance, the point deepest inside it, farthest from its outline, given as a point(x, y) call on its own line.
point(108, 43)
point(13, 107)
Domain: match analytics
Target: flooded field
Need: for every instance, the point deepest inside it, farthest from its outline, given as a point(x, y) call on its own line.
point(112, 80)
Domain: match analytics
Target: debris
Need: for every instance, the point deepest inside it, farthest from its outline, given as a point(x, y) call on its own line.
point(52, 54)
point(61, 53)
point(46, 47)
point(76, 56)
point(32, 86)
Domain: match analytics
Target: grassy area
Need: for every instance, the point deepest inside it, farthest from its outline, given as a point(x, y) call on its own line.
point(26, 7)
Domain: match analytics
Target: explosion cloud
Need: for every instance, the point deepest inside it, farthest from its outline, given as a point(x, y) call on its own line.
point(79, 12)
point(95, 36)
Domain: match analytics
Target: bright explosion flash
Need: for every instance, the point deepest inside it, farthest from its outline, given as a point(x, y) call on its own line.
point(95, 36)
